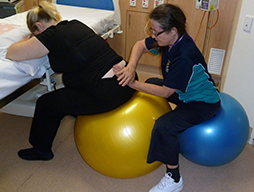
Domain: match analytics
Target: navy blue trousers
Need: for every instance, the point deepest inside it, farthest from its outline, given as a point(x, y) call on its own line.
point(164, 145)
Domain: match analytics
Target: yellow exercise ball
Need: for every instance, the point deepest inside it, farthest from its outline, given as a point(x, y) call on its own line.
point(116, 143)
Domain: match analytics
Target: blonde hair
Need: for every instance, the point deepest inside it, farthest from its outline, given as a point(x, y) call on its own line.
point(44, 12)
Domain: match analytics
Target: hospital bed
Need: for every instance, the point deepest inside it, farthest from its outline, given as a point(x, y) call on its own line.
point(21, 83)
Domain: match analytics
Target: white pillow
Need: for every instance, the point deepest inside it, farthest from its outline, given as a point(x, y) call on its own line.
point(5, 27)
point(31, 67)
point(34, 66)
point(14, 35)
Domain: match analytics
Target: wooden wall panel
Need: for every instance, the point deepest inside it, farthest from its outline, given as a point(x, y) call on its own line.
point(218, 37)
point(193, 19)
point(30, 3)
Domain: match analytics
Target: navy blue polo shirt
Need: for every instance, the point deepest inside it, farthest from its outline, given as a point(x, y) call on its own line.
point(184, 68)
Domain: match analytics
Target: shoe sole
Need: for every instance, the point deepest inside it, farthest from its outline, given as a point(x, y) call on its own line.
point(178, 189)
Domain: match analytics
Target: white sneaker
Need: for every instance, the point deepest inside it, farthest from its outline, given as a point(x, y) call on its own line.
point(168, 184)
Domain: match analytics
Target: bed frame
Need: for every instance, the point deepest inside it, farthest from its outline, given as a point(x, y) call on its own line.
point(9, 98)
point(46, 80)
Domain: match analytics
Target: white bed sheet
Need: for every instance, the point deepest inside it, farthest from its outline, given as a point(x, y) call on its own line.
point(12, 74)
point(97, 19)
point(15, 74)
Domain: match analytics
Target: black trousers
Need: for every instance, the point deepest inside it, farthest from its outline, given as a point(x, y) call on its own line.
point(52, 107)
point(164, 145)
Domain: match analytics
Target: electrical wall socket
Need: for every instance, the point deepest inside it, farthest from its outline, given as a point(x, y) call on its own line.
point(247, 24)
point(133, 3)
point(158, 2)
point(145, 3)
point(198, 4)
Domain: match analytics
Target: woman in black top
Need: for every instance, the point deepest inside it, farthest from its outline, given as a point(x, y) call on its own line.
point(84, 59)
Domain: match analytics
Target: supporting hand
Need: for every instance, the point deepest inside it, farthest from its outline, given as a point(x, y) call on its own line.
point(125, 74)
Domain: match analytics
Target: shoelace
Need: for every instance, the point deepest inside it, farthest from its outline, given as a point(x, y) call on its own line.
point(165, 181)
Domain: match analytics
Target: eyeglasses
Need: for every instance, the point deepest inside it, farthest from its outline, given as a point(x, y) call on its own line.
point(156, 34)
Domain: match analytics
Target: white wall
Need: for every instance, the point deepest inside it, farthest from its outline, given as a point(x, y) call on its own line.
point(53, 1)
point(239, 81)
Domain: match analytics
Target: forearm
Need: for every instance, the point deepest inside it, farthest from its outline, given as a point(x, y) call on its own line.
point(15, 48)
point(152, 89)
point(136, 53)
point(15, 52)
point(26, 49)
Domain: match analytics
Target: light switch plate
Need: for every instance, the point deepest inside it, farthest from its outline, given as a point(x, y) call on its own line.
point(158, 2)
point(247, 23)
point(133, 3)
point(145, 3)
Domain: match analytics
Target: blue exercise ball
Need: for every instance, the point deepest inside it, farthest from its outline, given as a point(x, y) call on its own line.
point(219, 140)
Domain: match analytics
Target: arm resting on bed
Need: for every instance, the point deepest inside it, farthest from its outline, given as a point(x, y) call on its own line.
point(26, 49)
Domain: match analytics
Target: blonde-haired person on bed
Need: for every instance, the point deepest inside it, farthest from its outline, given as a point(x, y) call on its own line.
point(83, 58)
point(46, 13)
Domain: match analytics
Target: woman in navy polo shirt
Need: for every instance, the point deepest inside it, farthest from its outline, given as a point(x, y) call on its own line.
point(186, 83)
